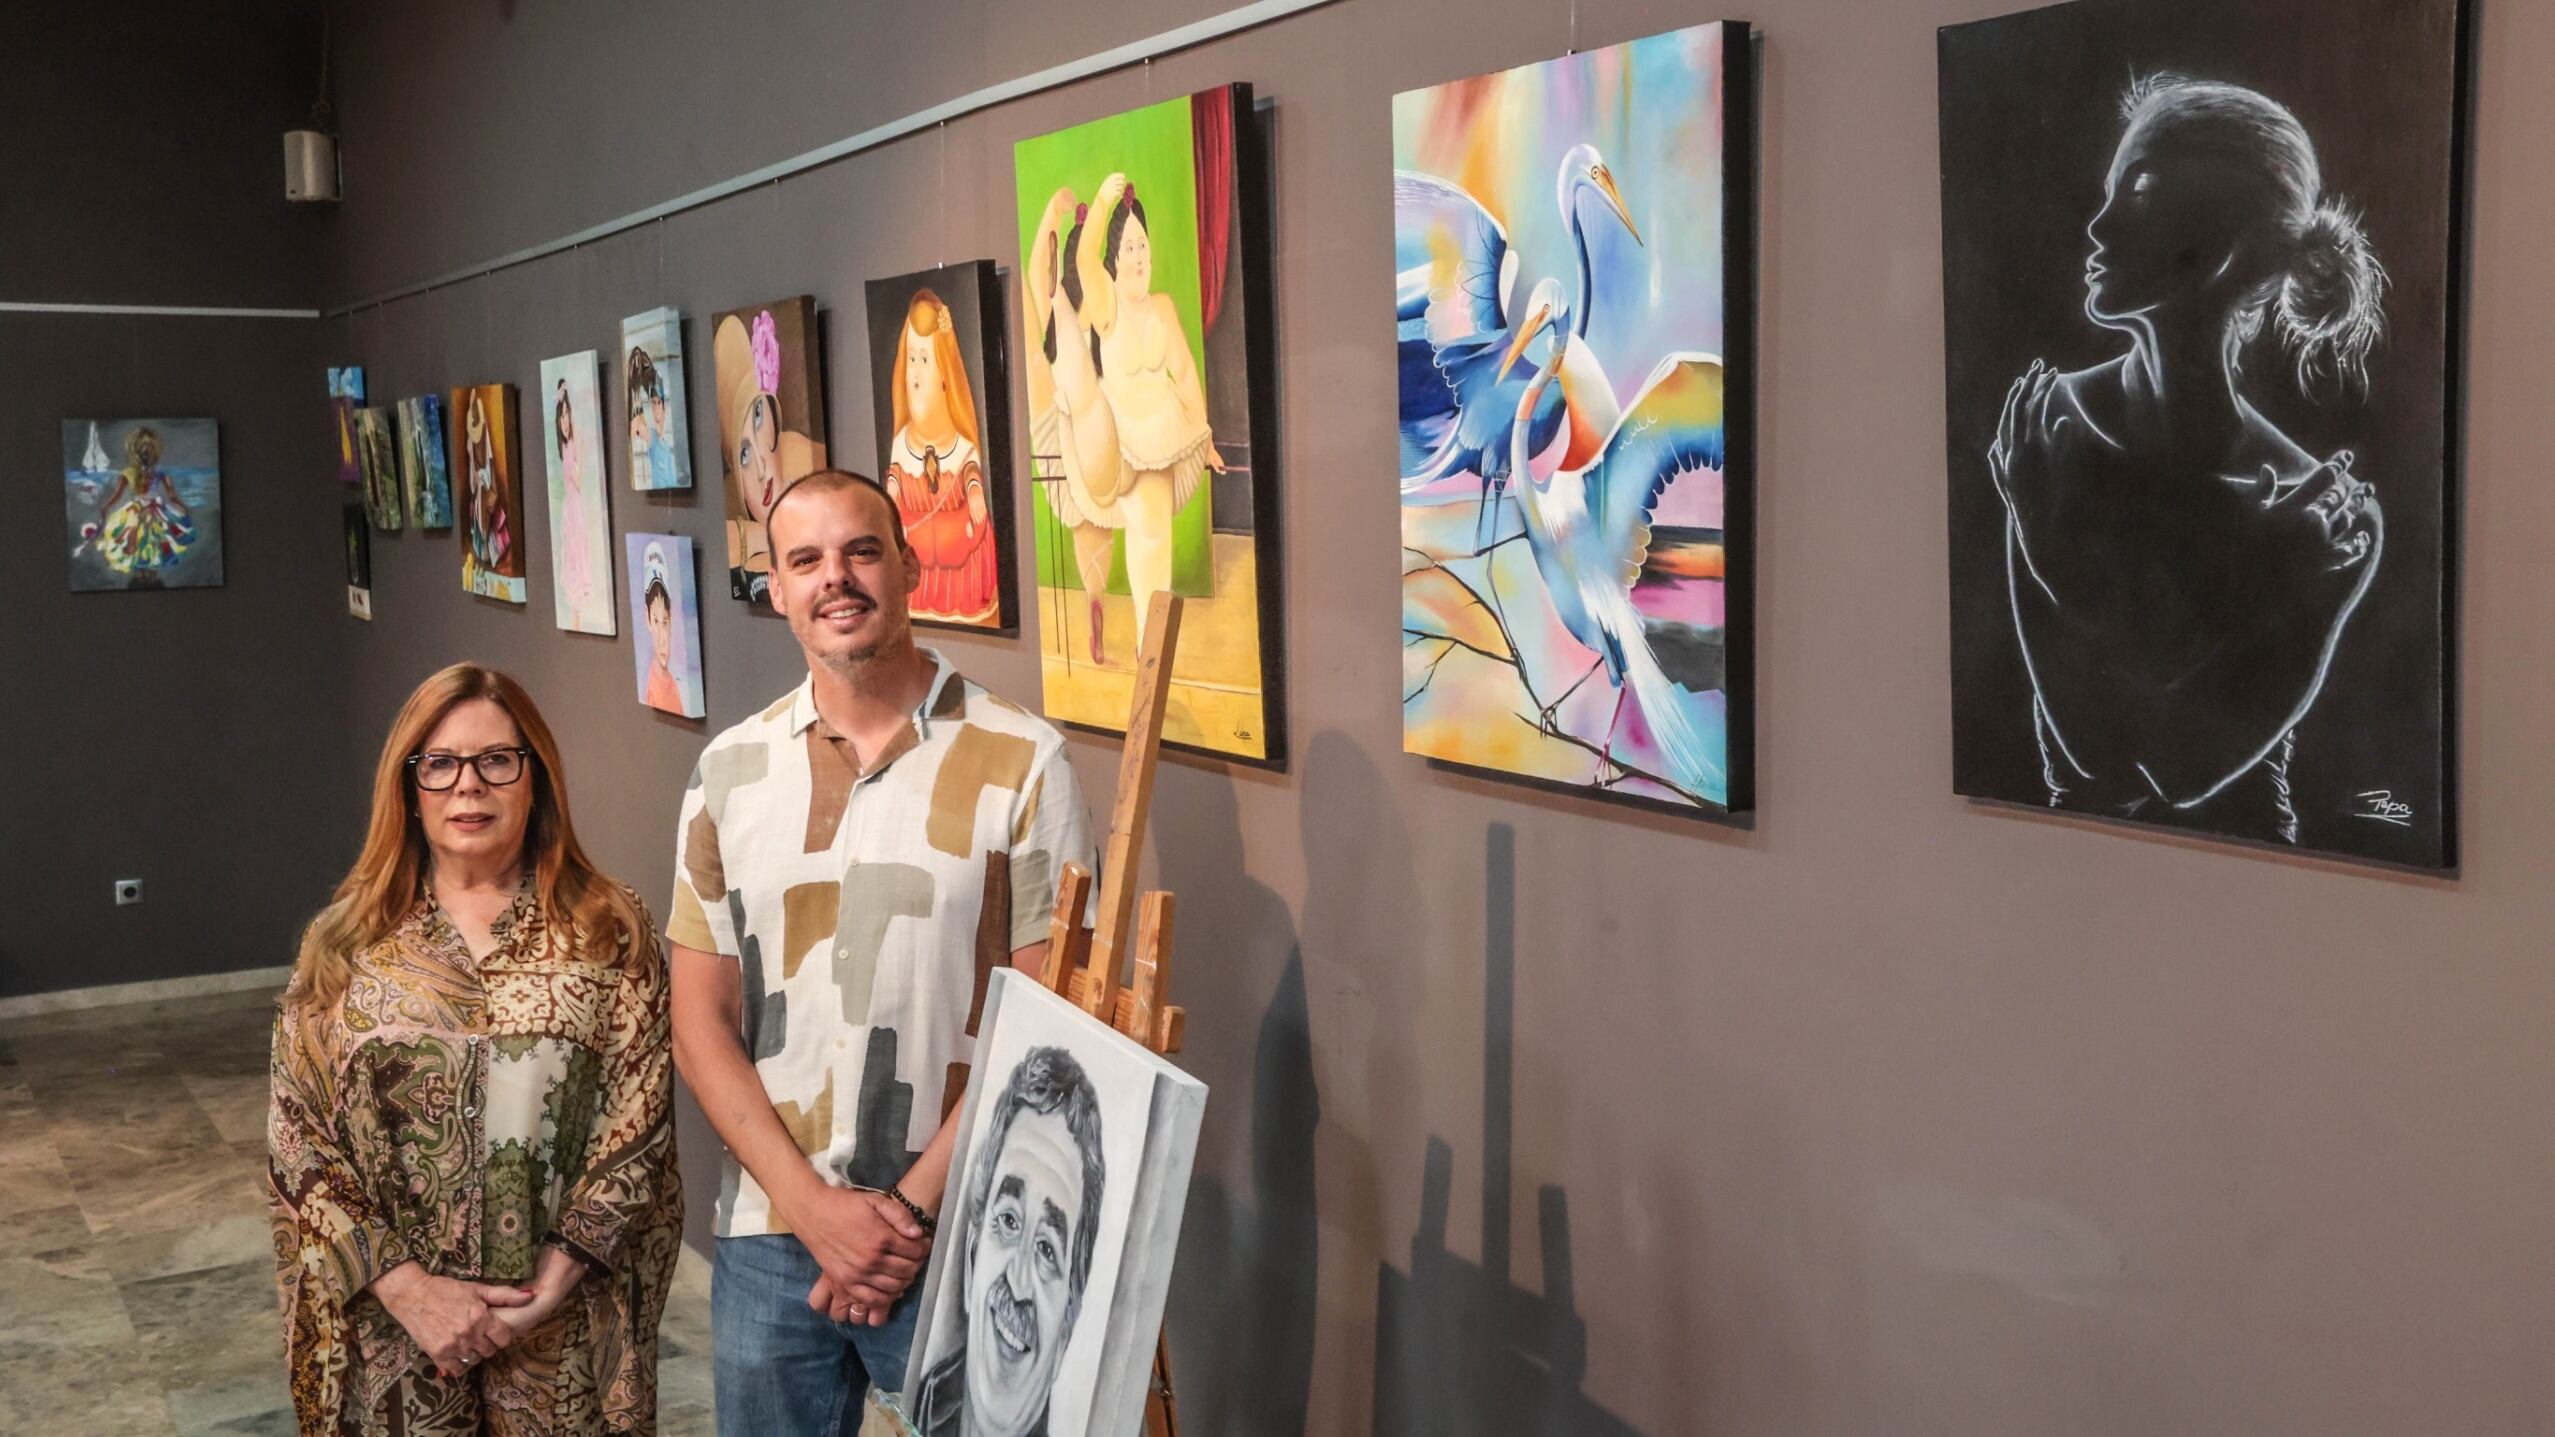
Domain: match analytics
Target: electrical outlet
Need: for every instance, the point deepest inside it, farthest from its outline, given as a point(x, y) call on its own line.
point(127, 890)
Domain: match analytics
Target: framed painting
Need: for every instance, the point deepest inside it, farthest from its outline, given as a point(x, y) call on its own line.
point(1574, 255)
point(346, 381)
point(425, 474)
point(380, 456)
point(2201, 280)
point(142, 499)
point(483, 439)
point(652, 391)
point(580, 506)
point(1059, 1225)
point(345, 396)
point(769, 371)
point(944, 448)
point(665, 618)
point(1144, 317)
point(359, 561)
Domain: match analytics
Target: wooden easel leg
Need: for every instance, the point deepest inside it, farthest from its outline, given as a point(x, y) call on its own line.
point(1161, 1411)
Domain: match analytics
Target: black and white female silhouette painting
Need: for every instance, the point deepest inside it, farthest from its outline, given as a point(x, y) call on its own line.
point(2198, 278)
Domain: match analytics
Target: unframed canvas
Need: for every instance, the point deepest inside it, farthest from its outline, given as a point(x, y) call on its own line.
point(665, 621)
point(580, 497)
point(2201, 278)
point(1573, 248)
point(769, 374)
point(359, 561)
point(380, 456)
point(1060, 1221)
point(1144, 311)
point(653, 402)
point(425, 476)
point(944, 447)
point(142, 499)
point(482, 421)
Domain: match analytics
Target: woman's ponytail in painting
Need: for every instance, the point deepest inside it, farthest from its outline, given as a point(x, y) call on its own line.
point(2328, 307)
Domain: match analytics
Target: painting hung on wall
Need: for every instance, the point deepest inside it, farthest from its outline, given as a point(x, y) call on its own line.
point(143, 503)
point(580, 509)
point(380, 456)
point(1061, 1219)
point(345, 396)
point(770, 376)
point(346, 381)
point(944, 452)
point(359, 562)
point(2201, 273)
point(652, 387)
point(483, 442)
point(425, 474)
point(1143, 274)
point(1573, 248)
point(665, 617)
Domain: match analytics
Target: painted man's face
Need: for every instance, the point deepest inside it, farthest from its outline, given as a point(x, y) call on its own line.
point(661, 632)
point(1019, 1276)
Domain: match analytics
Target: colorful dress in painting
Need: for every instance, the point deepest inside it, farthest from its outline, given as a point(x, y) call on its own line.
point(940, 495)
point(461, 1113)
point(143, 527)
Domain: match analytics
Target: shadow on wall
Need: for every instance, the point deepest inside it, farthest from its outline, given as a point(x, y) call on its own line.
point(1460, 1347)
point(1250, 1259)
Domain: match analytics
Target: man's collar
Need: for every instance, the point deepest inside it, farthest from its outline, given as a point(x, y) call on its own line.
point(944, 674)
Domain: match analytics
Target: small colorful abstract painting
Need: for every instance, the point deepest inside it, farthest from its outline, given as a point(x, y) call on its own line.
point(1144, 315)
point(346, 381)
point(665, 618)
point(143, 502)
point(944, 450)
point(425, 476)
point(770, 377)
point(652, 384)
point(1572, 247)
point(483, 438)
point(380, 456)
point(580, 507)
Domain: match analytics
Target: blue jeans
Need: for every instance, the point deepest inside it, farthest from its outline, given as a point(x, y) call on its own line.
point(782, 1369)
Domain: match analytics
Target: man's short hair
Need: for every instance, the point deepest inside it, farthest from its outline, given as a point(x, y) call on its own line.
point(1048, 1081)
point(835, 481)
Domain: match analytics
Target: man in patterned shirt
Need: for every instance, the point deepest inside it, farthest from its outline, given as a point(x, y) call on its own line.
point(850, 864)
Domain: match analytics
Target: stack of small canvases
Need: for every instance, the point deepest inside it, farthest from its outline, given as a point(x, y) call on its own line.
point(1061, 1219)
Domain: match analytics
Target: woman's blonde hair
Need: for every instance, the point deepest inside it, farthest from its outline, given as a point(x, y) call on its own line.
point(575, 898)
point(927, 318)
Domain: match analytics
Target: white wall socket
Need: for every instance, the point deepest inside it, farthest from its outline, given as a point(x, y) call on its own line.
point(127, 890)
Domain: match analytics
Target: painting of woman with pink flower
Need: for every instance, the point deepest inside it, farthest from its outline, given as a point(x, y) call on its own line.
point(770, 380)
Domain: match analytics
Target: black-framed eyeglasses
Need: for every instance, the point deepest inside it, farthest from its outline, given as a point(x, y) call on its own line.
point(497, 767)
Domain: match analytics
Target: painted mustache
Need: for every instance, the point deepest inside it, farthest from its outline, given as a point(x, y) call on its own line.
point(1015, 1321)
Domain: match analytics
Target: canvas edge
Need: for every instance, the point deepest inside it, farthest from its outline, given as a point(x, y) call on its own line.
point(1739, 276)
point(1176, 1112)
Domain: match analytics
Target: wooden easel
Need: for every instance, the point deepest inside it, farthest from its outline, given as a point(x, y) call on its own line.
point(1083, 962)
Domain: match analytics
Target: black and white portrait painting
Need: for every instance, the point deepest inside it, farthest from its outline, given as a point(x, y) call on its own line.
point(1057, 1234)
point(2199, 282)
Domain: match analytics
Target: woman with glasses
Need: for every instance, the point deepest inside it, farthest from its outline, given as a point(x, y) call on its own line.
point(472, 1181)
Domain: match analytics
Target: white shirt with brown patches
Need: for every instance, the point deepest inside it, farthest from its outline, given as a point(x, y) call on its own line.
point(864, 908)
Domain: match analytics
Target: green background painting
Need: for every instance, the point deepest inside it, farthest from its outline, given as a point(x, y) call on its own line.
point(1152, 146)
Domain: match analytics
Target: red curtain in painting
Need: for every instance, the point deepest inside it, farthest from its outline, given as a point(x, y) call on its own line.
point(1211, 144)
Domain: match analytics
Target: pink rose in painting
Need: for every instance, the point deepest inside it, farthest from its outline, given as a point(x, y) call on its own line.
point(767, 353)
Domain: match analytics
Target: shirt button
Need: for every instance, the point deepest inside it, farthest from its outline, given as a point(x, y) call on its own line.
point(843, 953)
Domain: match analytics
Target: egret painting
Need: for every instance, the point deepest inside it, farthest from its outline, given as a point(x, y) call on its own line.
point(1572, 299)
point(2199, 280)
point(1143, 308)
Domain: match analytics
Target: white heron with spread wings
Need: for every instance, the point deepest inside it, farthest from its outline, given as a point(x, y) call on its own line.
point(1587, 496)
point(1454, 274)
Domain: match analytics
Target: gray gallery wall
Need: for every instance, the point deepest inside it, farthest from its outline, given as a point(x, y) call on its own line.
point(1890, 1115)
point(170, 736)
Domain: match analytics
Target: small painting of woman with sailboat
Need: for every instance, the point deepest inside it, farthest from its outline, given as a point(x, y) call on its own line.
point(152, 522)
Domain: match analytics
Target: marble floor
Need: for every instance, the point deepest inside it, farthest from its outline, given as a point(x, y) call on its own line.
point(137, 1293)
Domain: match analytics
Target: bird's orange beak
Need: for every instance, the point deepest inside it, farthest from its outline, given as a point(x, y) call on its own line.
point(1605, 179)
point(1535, 322)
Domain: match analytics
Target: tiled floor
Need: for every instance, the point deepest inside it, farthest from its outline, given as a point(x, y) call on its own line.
point(137, 1290)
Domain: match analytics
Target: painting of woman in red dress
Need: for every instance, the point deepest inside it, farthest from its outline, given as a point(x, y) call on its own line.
point(936, 458)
